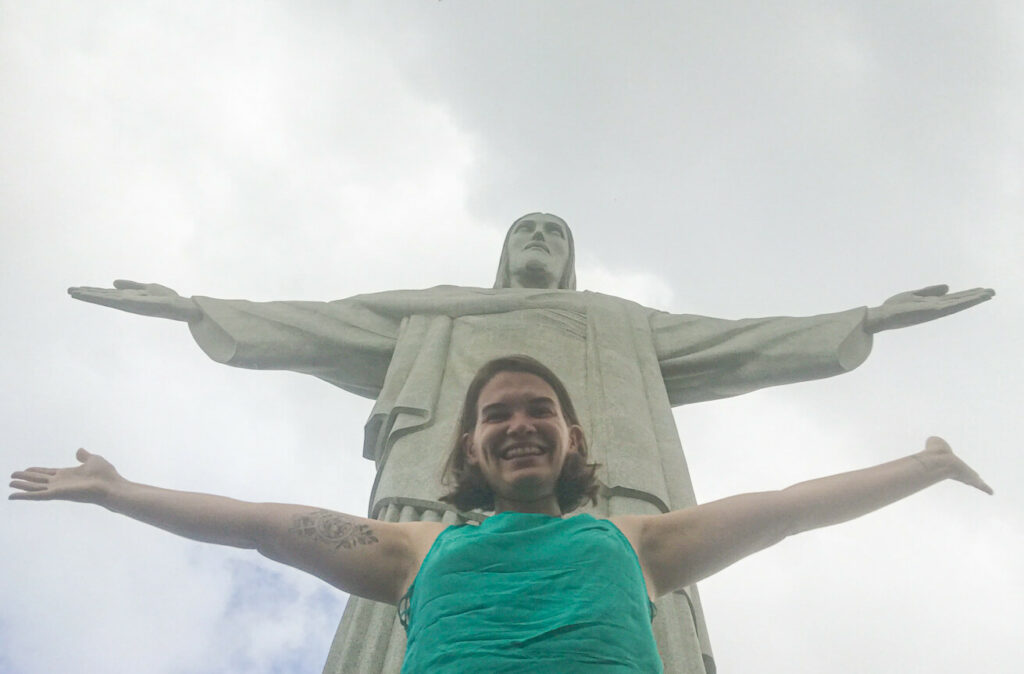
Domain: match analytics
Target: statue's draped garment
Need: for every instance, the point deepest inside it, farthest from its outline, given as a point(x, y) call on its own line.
point(625, 366)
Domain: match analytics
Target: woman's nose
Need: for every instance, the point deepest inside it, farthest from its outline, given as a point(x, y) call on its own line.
point(519, 424)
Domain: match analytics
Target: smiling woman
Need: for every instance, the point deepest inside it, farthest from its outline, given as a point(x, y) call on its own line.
point(528, 589)
point(542, 402)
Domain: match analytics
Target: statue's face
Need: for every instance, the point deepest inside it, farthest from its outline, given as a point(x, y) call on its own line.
point(538, 250)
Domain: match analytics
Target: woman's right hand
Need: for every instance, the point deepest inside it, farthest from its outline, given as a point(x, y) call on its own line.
point(938, 456)
point(91, 482)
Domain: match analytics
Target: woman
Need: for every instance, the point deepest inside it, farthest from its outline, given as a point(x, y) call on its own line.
point(527, 590)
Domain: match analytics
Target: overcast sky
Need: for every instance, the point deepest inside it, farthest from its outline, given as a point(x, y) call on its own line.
point(729, 159)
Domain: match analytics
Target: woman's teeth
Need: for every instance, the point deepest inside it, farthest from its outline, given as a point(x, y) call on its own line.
point(516, 452)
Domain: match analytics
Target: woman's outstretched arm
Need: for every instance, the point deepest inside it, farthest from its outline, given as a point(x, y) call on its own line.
point(366, 557)
point(684, 546)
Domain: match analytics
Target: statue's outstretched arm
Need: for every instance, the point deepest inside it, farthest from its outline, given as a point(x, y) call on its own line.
point(365, 557)
point(347, 342)
point(923, 305)
point(146, 299)
point(704, 358)
point(684, 546)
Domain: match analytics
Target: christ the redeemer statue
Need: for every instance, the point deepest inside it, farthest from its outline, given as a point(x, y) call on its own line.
point(415, 351)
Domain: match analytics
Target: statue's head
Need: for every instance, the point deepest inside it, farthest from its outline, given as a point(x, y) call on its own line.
point(538, 253)
point(517, 402)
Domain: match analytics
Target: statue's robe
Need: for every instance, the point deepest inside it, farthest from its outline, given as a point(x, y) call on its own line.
point(624, 365)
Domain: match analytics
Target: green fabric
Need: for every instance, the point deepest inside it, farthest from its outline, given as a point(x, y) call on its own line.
point(530, 593)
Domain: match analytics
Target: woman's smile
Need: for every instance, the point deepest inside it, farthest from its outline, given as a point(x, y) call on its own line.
point(520, 451)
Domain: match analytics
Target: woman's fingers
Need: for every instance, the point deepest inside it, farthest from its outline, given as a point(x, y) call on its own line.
point(29, 495)
point(31, 481)
point(939, 449)
point(31, 475)
point(969, 476)
point(29, 486)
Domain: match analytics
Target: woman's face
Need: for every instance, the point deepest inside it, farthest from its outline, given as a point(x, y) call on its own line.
point(521, 437)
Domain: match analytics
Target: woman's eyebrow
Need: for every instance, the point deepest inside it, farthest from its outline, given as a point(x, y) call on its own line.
point(499, 406)
point(492, 407)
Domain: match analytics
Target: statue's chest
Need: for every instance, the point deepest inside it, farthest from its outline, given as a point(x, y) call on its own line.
point(556, 337)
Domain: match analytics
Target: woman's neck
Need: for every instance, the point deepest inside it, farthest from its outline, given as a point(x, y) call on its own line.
point(547, 505)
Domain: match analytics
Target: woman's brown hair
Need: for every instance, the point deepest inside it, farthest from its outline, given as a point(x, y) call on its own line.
point(469, 490)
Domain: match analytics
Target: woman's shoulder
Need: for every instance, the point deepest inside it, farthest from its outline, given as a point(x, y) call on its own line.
point(631, 527)
point(420, 536)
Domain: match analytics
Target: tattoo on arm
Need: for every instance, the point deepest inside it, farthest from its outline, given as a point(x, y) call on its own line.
point(333, 529)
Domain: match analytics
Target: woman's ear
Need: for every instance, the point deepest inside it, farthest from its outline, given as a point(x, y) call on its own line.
point(575, 438)
point(467, 449)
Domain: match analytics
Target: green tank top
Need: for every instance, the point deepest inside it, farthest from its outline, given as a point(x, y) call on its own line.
point(530, 593)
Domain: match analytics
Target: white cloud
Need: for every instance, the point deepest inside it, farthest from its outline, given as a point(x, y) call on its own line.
point(226, 151)
point(642, 287)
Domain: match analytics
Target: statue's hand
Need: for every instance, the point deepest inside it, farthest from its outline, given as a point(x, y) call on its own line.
point(91, 482)
point(921, 306)
point(147, 299)
point(938, 456)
